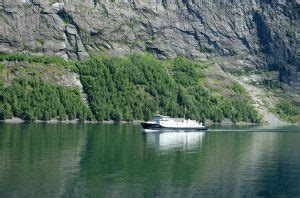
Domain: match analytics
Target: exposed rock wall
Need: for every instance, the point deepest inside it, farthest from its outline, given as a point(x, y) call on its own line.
point(261, 33)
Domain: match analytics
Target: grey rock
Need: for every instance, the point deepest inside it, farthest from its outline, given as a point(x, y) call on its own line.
point(71, 29)
point(259, 32)
point(47, 10)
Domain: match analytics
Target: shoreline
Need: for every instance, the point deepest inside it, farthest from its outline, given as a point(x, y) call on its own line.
point(55, 121)
point(135, 122)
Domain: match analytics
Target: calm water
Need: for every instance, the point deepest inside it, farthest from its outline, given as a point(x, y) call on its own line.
point(69, 160)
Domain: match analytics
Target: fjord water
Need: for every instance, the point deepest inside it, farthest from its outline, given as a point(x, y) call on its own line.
point(96, 160)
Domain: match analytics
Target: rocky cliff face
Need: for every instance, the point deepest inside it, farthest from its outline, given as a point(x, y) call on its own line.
point(253, 33)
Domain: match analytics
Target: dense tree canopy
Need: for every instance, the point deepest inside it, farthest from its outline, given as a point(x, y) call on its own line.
point(131, 88)
point(138, 86)
point(35, 99)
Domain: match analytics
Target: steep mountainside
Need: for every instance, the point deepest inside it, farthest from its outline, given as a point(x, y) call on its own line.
point(259, 33)
point(253, 42)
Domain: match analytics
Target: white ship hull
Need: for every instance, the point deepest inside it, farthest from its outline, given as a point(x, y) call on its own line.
point(167, 123)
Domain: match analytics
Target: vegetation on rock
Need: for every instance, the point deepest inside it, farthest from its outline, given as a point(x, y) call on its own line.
point(138, 86)
point(29, 89)
point(35, 99)
point(131, 88)
point(288, 110)
point(36, 59)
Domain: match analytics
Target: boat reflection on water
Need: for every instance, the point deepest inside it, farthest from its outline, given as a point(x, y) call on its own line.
point(175, 139)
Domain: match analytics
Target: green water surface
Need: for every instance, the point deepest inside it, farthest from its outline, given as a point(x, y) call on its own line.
point(97, 160)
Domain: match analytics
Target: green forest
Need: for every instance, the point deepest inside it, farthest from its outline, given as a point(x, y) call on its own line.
point(37, 100)
point(130, 88)
point(136, 87)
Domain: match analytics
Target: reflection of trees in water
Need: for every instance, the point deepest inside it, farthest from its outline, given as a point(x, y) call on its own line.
point(113, 154)
point(38, 160)
point(221, 164)
point(246, 163)
point(271, 164)
point(119, 161)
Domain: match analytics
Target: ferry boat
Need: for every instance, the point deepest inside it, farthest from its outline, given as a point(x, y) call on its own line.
point(160, 122)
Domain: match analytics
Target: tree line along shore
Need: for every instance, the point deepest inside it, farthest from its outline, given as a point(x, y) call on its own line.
point(119, 89)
